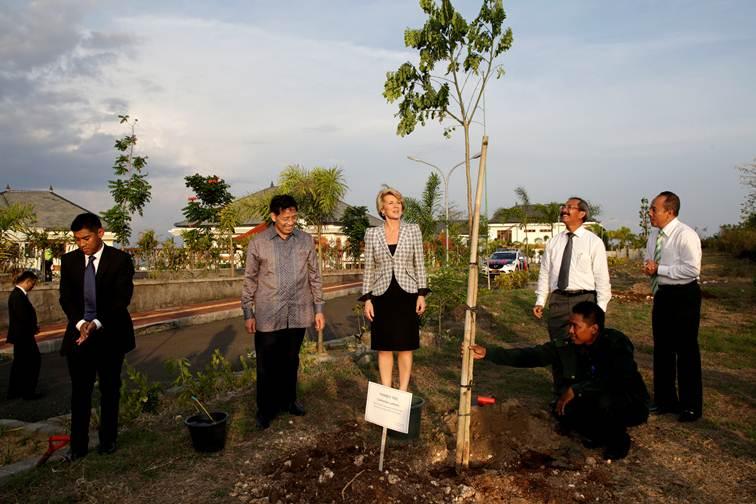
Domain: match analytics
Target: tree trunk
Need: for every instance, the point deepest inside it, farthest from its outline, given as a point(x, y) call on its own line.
point(469, 181)
point(465, 390)
point(231, 255)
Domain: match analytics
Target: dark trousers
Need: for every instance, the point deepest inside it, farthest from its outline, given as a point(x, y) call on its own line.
point(675, 317)
point(84, 365)
point(560, 308)
point(24, 372)
point(277, 366)
point(604, 417)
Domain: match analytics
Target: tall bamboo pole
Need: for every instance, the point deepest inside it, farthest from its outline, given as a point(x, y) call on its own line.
point(465, 390)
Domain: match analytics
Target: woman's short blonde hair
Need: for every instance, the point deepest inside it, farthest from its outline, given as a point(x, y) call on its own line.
point(387, 191)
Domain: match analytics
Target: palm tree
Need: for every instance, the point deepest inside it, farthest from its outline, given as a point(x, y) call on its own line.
point(424, 211)
point(15, 219)
point(523, 202)
point(549, 212)
point(354, 223)
point(317, 191)
point(623, 237)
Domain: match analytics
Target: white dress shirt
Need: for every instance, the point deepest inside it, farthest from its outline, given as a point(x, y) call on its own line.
point(680, 261)
point(97, 255)
point(588, 267)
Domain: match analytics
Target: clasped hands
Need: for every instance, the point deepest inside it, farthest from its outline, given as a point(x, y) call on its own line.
point(650, 267)
point(85, 331)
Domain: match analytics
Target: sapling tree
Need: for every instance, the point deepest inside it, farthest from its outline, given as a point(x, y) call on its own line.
point(130, 189)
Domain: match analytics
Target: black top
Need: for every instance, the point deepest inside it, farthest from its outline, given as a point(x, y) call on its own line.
point(420, 292)
point(22, 318)
point(114, 280)
point(605, 366)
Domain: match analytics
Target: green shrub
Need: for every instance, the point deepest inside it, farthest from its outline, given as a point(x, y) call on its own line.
point(138, 395)
point(739, 241)
point(616, 261)
point(514, 280)
point(448, 290)
point(215, 378)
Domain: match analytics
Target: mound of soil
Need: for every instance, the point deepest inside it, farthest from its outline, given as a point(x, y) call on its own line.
point(516, 456)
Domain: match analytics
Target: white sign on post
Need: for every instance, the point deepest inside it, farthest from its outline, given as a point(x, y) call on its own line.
point(388, 407)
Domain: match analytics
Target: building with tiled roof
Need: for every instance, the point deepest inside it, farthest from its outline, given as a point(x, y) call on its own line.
point(54, 215)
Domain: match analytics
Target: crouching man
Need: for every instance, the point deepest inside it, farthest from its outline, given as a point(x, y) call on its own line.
point(603, 393)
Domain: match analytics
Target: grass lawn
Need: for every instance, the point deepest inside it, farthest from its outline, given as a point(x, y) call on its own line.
point(331, 453)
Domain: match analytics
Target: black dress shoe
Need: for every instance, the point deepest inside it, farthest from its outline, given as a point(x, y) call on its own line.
point(72, 456)
point(262, 422)
point(296, 409)
point(663, 409)
point(107, 449)
point(617, 449)
point(688, 416)
point(592, 443)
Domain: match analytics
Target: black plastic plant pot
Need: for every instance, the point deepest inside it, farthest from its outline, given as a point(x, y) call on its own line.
point(207, 436)
point(413, 433)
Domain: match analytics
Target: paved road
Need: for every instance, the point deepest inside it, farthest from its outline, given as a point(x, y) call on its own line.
point(196, 343)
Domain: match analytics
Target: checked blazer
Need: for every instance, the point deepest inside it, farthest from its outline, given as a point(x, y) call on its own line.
point(406, 264)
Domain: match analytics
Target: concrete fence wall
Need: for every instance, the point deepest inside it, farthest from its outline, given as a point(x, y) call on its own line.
point(634, 254)
point(152, 295)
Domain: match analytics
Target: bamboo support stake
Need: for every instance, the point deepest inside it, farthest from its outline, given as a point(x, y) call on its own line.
point(465, 391)
point(321, 347)
point(383, 449)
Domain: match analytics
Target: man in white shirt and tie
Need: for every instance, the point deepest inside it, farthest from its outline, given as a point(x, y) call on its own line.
point(673, 263)
point(573, 269)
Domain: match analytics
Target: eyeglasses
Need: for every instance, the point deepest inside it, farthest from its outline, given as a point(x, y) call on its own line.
point(568, 207)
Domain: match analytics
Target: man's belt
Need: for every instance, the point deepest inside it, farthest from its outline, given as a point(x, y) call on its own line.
point(688, 285)
point(571, 293)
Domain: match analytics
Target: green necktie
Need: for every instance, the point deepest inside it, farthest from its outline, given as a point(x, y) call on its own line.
point(657, 258)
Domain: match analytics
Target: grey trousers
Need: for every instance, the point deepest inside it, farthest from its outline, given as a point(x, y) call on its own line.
point(560, 308)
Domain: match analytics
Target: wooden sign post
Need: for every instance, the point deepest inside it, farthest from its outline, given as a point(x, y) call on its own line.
point(389, 408)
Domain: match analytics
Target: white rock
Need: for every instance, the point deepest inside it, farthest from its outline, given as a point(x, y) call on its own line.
point(325, 475)
point(358, 460)
point(393, 479)
point(466, 492)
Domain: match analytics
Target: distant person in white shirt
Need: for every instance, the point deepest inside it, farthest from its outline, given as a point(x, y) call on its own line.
point(673, 263)
point(573, 269)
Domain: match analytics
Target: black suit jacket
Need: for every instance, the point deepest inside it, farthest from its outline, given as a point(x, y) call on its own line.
point(22, 319)
point(607, 365)
point(114, 283)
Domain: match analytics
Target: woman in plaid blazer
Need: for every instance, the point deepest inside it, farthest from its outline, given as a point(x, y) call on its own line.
point(394, 287)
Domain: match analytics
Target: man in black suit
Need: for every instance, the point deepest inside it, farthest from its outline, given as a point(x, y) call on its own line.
point(22, 327)
point(602, 393)
point(96, 283)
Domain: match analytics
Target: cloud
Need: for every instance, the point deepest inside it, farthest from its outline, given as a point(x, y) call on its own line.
point(38, 33)
point(612, 116)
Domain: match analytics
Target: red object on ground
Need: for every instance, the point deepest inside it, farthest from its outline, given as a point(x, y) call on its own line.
point(54, 443)
point(486, 401)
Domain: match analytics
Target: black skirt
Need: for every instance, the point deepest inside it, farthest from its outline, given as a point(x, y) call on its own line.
point(395, 325)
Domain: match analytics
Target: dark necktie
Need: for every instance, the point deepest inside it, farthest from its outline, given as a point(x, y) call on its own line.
point(90, 291)
point(564, 269)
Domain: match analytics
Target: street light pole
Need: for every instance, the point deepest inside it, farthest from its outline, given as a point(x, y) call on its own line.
point(445, 178)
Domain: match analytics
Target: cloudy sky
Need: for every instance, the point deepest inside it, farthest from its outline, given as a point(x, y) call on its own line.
point(609, 100)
